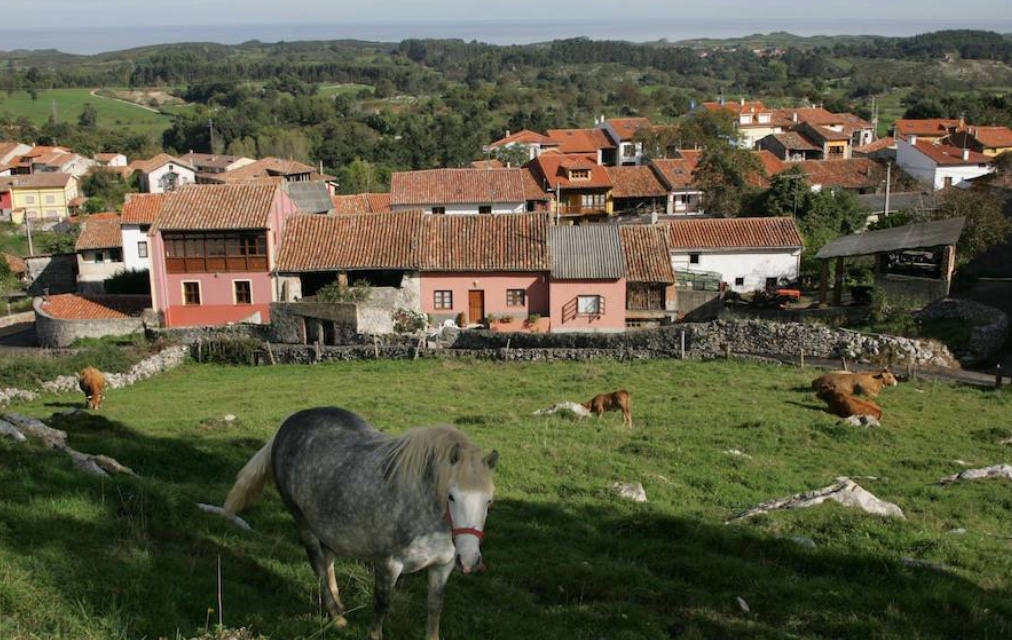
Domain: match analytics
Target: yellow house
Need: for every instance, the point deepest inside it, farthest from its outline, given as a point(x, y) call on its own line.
point(581, 187)
point(991, 141)
point(42, 197)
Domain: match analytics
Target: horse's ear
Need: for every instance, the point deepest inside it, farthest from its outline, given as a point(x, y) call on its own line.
point(455, 454)
point(491, 459)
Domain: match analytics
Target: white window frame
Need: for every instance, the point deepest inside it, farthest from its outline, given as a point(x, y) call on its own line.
point(200, 292)
point(235, 298)
point(142, 248)
point(588, 305)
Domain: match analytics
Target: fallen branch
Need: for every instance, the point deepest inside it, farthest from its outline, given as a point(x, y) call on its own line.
point(95, 464)
point(234, 519)
point(994, 471)
point(845, 491)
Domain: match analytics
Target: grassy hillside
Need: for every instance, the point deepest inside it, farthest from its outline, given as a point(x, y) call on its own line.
point(70, 103)
point(129, 558)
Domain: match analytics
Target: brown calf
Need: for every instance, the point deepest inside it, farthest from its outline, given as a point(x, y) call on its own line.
point(847, 383)
point(845, 405)
point(92, 384)
point(617, 400)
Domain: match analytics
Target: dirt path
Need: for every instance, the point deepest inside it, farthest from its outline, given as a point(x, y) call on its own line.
point(94, 92)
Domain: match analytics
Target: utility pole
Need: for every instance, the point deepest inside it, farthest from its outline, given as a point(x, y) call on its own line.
point(210, 126)
point(889, 169)
point(53, 108)
point(28, 228)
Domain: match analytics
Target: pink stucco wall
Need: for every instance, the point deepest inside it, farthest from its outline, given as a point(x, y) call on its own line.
point(494, 285)
point(564, 293)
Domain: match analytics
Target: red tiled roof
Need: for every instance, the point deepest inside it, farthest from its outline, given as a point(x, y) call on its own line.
point(267, 168)
point(626, 128)
point(888, 142)
point(160, 160)
point(439, 186)
point(524, 136)
point(795, 141)
point(218, 206)
point(993, 137)
point(107, 156)
point(771, 164)
point(361, 203)
point(676, 172)
point(635, 182)
point(363, 241)
point(552, 167)
point(99, 232)
point(532, 187)
point(491, 163)
point(581, 140)
point(486, 243)
point(15, 263)
point(826, 133)
point(45, 180)
point(70, 306)
point(949, 155)
point(931, 127)
point(691, 156)
point(754, 106)
point(646, 252)
point(733, 233)
point(142, 208)
point(850, 173)
point(217, 161)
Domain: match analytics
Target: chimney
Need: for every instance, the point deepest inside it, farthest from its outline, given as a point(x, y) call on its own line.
point(653, 216)
point(794, 116)
point(507, 133)
point(743, 102)
point(912, 139)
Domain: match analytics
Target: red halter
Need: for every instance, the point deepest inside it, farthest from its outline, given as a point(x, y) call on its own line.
point(454, 532)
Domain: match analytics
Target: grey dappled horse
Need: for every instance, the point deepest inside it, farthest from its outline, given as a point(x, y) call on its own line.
point(404, 504)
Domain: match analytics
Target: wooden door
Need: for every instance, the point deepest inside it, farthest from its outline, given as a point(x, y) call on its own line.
point(476, 305)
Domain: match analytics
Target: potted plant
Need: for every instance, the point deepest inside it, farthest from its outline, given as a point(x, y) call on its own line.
point(506, 319)
point(532, 319)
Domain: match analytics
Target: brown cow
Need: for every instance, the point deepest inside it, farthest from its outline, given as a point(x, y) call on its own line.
point(92, 383)
point(617, 400)
point(845, 405)
point(848, 383)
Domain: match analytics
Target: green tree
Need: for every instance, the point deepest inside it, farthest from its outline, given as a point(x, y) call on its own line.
point(726, 175)
point(88, 119)
point(94, 204)
point(358, 176)
point(986, 224)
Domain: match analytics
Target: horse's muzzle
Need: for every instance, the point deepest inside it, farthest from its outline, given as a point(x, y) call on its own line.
point(477, 567)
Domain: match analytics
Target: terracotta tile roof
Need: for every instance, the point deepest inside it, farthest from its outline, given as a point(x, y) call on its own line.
point(7, 147)
point(160, 160)
point(106, 157)
point(635, 182)
point(361, 203)
point(850, 173)
point(581, 140)
point(212, 160)
point(771, 164)
point(122, 172)
point(53, 158)
point(691, 156)
point(532, 187)
point(733, 233)
point(439, 186)
point(143, 208)
point(888, 142)
point(795, 141)
point(267, 168)
point(491, 163)
point(821, 117)
point(826, 133)
point(486, 243)
point(993, 137)
point(931, 127)
point(552, 167)
point(218, 206)
point(646, 252)
point(362, 241)
point(378, 202)
point(626, 128)
point(524, 136)
point(16, 263)
point(949, 155)
point(676, 172)
point(70, 306)
point(43, 180)
point(754, 106)
point(99, 233)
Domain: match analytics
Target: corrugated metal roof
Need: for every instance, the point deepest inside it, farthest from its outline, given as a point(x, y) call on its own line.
point(310, 197)
point(911, 236)
point(646, 253)
point(586, 252)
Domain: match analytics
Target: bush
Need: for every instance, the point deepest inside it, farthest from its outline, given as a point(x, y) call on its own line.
point(132, 282)
point(233, 351)
point(359, 291)
point(408, 321)
point(507, 318)
point(533, 318)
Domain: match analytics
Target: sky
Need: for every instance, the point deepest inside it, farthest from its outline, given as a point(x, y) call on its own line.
point(99, 25)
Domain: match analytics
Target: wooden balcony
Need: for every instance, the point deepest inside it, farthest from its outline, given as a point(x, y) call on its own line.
point(579, 210)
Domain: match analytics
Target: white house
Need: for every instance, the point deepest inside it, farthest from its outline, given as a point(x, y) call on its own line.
point(940, 165)
point(623, 131)
point(111, 159)
point(99, 252)
point(11, 150)
point(163, 173)
point(459, 191)
point(525, 140)
point(139, 213)
point(748, 253)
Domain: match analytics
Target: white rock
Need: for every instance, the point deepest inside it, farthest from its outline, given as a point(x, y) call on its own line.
point(739, 454)
point(957, 531)
point(574, 408)
point(630, 491)
point(845, 491)
point(994, 471)
point(803, 541)
point(743, 605)
point(962, 463)
point(229, 418)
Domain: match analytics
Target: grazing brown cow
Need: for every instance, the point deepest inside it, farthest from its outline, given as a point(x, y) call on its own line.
point(845, 405)
point(617, 400)
point(92, 383)
point(868, 384)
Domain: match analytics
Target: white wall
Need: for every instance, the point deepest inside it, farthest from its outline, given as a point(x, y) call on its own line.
point(151, 180)
point(924, 169)
point(675, 204)
point(497, 207)
point(132, 234)
point(91, 274)
point(755, 265)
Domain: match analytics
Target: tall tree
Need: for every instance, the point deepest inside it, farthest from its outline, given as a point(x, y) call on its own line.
point(726, 175)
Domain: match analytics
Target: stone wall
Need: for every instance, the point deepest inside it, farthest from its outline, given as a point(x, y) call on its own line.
point(909, 292)
point(989, 327)
point(60, 332)
point(56, 273)
point(292, 322)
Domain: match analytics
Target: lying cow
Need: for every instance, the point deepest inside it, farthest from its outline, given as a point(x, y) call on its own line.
point(845, 405)
point(614, 401)
point(92, 384)
point(847, 383)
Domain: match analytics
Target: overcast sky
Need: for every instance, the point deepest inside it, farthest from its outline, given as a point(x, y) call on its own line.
point(74, 13)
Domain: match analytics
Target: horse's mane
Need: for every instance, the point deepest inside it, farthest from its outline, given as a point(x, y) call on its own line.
point(428, 451)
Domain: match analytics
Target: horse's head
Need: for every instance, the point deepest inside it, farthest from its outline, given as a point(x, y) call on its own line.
point(470, 495)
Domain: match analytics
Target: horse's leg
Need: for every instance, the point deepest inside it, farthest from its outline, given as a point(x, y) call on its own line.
point(316, 558)
point(438, 575)
point(328, 562)
point(386, 573)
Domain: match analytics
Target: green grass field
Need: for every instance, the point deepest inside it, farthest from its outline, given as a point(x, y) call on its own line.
point(70, 103)
point(133, 557)
point(349, 88)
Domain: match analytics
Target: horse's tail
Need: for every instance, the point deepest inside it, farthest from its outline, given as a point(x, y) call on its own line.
point(250, 481)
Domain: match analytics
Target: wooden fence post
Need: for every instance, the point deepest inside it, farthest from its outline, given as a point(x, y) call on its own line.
point(802, 356)
point(375, 347)
point(682, 339)
point(270, 352)
point(997, 376)
point(844, 361)
point(727, 351)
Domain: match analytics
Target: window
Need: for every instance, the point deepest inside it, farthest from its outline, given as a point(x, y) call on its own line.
point(592, 201)
point(739, 282)
point(142, 249)
point(115, 255)
point(443, 299)
point(485, 208)
point(50, 199)
point(693, 258)
point(29, 199)
point(588, 305)
point(771, 284)
point(243, 291)
point(439, 210)
point(516, 298)
point(530, 206)
point(628, 150)
point(191, 293)
point(169, 181)
point(99, 256)
point(579, 174)
point(215, 252)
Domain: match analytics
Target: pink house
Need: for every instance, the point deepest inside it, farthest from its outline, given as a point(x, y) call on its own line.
point(213, 250)
point(588, 279)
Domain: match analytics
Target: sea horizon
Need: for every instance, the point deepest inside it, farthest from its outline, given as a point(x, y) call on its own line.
point(92, 40)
